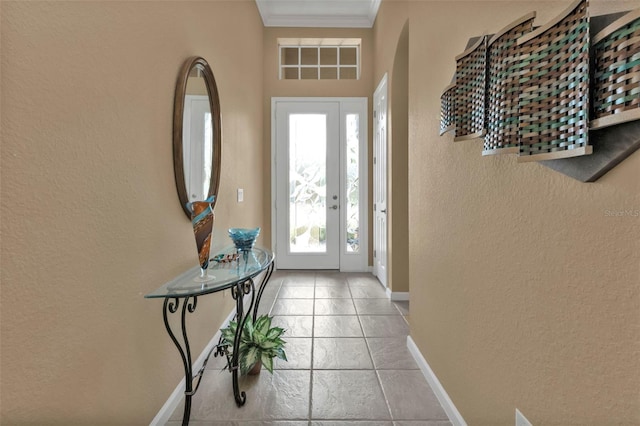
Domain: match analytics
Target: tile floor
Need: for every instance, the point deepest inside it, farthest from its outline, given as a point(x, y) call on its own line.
point(348, 362)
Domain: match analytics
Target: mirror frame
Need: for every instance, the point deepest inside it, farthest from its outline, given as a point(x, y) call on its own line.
point(178, 113)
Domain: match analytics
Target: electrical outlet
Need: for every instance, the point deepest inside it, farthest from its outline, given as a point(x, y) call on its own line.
point(240, 195)
point(521, 420)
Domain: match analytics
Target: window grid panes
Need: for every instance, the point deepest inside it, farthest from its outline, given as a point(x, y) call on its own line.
point(319, 62)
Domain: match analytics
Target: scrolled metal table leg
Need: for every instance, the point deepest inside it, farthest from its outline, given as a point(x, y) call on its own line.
point(171, 305)
point(263, 284)
point(238, 292)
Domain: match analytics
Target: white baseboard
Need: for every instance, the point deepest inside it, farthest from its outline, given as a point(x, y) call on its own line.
point(397, 295)
point(447, 404)
point(176, 397)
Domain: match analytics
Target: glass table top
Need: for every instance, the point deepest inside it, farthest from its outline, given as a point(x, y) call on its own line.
point(225, 269)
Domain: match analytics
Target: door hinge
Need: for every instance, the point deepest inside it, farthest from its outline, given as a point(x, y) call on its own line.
point(374, 160)
point(375, 113)
point(374, 254)
point(374, 207)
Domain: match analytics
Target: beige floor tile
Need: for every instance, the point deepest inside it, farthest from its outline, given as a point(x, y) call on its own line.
point(403, 306)
point(347, 395)
point(274, 423)
point(291, 292)
point(362, 280)
point(346, 389)
point(368, 292)
point(298, 350)
point(391, 353)
point(295, 326)
point(351, 423)
point(216, 362)
point(384, 325)
point(265, 307)
point(240, 423)
point(196, 423)
point(331, 280)
point(375, 307)
point(334, 307)
point(336, 292)
point(409, 396)
point(302, 278)
point(279, 274)
point(341, 353)
point(292, 307)
point(281, 396)
point(337, 326)
point(271, 290)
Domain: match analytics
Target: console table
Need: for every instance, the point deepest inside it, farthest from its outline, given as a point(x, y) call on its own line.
point(233, 270)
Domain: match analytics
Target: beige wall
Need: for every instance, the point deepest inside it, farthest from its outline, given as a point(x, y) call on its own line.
point(90, 215)
point(524, 293)
point(274, 87)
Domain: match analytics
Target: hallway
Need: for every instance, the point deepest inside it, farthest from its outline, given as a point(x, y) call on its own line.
point(348, 361)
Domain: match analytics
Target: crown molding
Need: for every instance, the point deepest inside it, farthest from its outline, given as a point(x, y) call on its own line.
point(282, 13)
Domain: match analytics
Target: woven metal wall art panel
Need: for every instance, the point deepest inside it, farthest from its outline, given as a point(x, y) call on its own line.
point(616, 73)
point(447, 109)
point(554, 97)
point(503, 73)
point(470, 91)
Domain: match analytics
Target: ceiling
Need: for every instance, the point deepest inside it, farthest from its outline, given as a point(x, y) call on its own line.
point(318, 13)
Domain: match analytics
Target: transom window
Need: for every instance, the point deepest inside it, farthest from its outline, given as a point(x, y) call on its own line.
point(319, 59)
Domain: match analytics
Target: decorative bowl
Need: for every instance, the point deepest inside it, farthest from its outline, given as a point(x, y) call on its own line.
point(244, 238)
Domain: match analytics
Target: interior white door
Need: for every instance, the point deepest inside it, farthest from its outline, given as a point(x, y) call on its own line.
point(380, 181)
point(307, 185)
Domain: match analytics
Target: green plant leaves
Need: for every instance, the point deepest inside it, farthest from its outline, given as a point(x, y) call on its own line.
point(267, 361)
point(259, 342)
point(249, 358)
point(274, 333)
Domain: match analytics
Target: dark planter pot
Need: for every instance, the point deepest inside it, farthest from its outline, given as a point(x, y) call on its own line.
point(255, 370)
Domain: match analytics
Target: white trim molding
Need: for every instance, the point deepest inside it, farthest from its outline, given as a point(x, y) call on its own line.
point(318, 13)
point(447, 404)
point(178, 394)
point(397, 296)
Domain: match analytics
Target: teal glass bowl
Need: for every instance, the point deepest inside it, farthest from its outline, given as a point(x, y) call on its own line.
point(244, 238)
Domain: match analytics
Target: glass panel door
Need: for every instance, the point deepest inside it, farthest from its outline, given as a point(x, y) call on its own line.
point(307, 183)
point(352, 234)
point(320, 216)
point(307, 188)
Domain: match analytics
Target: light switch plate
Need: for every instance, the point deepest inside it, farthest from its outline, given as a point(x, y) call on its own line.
point(240, 195)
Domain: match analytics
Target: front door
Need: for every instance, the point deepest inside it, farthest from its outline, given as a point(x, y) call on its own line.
point(320, 209)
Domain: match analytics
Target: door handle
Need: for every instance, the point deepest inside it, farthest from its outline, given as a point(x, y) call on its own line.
point(383, 211)
point(334, 207)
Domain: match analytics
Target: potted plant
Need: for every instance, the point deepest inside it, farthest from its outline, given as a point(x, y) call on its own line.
point(259, 344)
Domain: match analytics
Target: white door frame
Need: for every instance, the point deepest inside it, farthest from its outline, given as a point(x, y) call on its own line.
point(348, 261)
point(381, 236)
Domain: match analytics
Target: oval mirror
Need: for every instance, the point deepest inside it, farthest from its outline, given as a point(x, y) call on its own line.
point(197, 134)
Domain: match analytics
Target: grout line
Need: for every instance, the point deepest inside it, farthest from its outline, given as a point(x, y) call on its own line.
point(273, 302)
point(384, 394)
point(313, 330)
point(386, 400)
